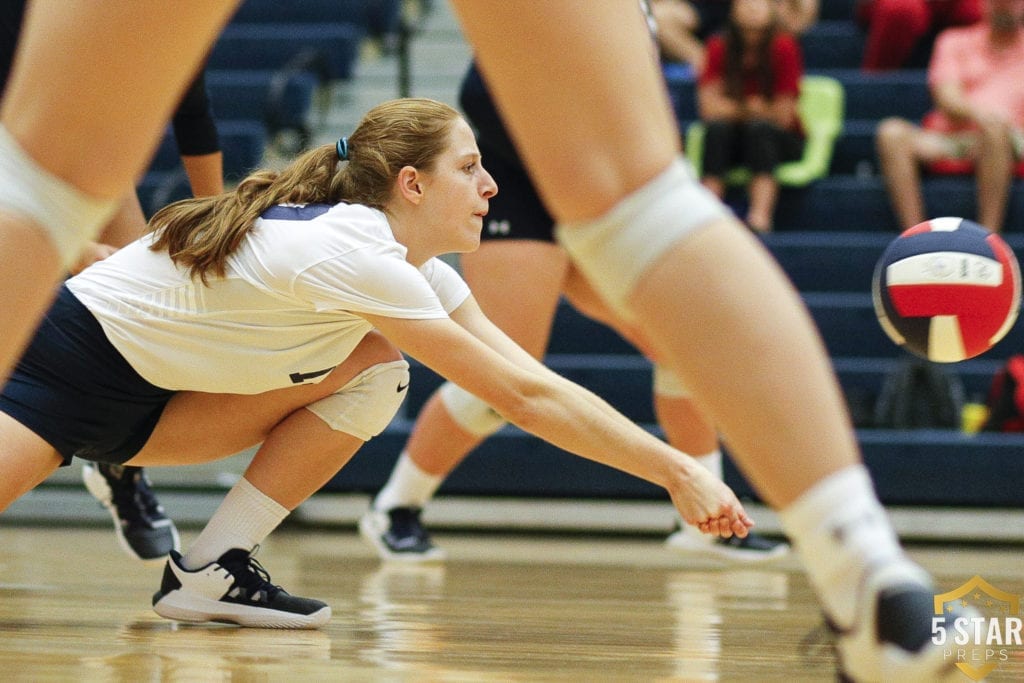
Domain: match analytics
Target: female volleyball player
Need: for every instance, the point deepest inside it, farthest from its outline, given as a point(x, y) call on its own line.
point(599, 138)
point(589, 110)
point(272, 314)
point(517, 276)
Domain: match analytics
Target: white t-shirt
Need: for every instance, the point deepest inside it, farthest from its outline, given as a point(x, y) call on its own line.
point(286, 312)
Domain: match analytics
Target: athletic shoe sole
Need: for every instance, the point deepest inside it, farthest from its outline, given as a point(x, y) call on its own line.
point(182, 606)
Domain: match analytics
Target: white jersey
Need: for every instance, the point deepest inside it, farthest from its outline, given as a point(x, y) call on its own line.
point(286, 312)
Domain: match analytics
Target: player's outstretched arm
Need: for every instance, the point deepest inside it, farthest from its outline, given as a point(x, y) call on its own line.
point(537, 400)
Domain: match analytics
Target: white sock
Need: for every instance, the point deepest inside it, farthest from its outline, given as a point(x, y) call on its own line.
point(243, 520)
point(408, 486)
point(839, 529)
point(712, 462)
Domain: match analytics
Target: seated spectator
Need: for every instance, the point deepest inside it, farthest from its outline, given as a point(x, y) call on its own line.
point(747, 98)
point(896, 27)
point(684, 26)
point(976, 84)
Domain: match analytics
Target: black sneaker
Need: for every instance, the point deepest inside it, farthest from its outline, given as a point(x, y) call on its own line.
point(398, 534)
point(235, 589)
point(752, 549)
point(142, 528)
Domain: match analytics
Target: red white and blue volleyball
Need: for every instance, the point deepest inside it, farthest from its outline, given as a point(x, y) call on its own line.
point(947, 289)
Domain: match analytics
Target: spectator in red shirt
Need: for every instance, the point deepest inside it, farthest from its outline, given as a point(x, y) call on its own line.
point(895, 27)
point(747, 98)
point(976, 81)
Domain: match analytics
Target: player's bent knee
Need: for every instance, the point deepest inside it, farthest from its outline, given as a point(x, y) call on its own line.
point(616, 249)
point(469, 412)
point(367, 403)
point(69, 217)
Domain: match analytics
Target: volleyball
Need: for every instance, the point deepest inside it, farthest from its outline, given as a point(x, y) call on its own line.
point(947, 289)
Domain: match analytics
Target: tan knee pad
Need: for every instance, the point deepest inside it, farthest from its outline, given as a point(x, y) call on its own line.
point(614, 250)
point(469, 412)
point(368, 403)
point(68, 216)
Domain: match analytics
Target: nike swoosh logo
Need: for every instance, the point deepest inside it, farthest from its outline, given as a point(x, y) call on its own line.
point(402, 387)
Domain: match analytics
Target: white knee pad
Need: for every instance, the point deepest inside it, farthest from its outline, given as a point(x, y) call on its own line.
point(469, 412)
point(69, 217)
point(368, 403)
point(615, 249)
point(667, 383)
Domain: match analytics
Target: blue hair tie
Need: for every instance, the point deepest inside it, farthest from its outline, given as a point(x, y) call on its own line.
point(342, 149)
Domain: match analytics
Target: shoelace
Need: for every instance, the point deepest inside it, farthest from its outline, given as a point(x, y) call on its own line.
point(252, 577)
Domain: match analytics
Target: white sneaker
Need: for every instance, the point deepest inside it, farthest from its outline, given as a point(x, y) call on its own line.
point(891, 638)
point(398, 534)
point(753, 549)
point(235, 589)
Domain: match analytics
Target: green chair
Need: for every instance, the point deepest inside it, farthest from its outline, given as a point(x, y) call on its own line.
point(822, 108)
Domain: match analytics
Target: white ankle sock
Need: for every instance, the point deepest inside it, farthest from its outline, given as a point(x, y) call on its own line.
point(408, 486)
point(244, 518)
point(712, 462)
point(839, 529)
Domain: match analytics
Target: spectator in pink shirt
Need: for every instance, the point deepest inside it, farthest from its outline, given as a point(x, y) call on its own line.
point(896, 27)
point(976, 77)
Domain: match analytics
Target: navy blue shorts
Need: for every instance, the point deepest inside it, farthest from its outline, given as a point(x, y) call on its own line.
point(76, 391)
point(516, 212)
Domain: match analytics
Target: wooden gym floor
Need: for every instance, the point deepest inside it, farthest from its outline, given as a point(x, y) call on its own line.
point(502, 608)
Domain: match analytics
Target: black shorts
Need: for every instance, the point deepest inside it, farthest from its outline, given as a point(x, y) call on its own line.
point(76, 391)
point(516, 212)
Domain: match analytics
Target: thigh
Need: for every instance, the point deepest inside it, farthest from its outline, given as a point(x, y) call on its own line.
point(199, 427)
point(518, 284)
point(25, 460)
point(73, 91)
point(541, 85)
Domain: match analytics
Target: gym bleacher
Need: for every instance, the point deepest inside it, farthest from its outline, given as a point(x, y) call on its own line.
point(828, 237)
point(264, 75)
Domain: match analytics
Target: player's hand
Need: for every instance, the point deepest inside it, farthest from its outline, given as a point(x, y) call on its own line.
point(707, 503)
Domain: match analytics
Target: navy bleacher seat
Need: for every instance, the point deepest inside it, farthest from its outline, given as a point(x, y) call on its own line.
point(868, 96)
point(377, 17)
point(875, 96)
point(821, 260)
point(160, 188)
point(245, 94)
point(835, 44)
point(828, 239)
point(836, 10)
point(851, 204)
point(919, 467)
point(854, 150)
point(275, 46)
point(242, 143)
